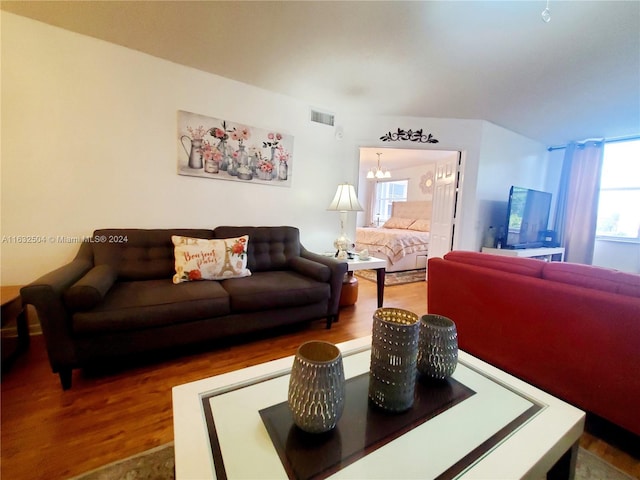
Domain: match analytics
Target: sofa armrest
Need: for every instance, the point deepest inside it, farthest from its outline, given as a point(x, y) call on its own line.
point(90, 290)
point(46, 295)
point(311, 268)
point(338, 270)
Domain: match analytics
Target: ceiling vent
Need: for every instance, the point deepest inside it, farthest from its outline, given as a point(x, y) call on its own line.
point(323, 117)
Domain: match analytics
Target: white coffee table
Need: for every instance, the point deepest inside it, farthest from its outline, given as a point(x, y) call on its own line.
point(506, 429)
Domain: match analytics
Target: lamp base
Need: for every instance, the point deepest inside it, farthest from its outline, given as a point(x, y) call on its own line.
point(343, 244)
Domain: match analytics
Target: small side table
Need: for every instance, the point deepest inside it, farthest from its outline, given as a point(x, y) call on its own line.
point(377, 264)
point(13, 315)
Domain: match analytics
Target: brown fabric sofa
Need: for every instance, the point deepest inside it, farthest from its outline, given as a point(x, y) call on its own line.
point(124, 302)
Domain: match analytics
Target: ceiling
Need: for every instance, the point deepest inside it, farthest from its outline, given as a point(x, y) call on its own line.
point(576, 77)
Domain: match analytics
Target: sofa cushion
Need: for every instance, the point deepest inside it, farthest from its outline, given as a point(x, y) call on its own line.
point(521, 266)
point(215, 259)
point(90, 290)
point(270, 248)
point(139, 254)
point(151, 303)
point(276, 289)
point(628, 284)
point(590, 276)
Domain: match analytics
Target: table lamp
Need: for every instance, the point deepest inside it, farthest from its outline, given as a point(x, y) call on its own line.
point(345, 201)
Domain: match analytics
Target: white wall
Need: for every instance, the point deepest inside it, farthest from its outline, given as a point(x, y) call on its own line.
point(415, 174)
point(89, 140)
point(492, 157)
point(452, 135)
point(507, 159)
point(624, 256)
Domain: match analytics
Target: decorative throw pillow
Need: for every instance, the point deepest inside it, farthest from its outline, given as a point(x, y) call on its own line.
point(218, 259)
point(421, 225)
point(398, 222)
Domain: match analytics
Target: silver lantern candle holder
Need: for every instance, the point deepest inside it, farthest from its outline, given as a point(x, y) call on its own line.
point(394, 350)
point(317, 387)
point(438, 347)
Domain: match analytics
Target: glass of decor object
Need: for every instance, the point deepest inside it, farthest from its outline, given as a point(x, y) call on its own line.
point(438, 347)
point(394, 350)
point(317, 387)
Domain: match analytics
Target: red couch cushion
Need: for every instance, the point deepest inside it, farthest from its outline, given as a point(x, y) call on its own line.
point(628, 284)
point(587, 276)
point(521, 266)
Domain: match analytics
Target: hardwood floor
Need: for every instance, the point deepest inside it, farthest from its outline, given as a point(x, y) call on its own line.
point(48, 433)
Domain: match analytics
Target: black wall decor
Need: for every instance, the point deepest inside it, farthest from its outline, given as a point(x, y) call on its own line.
point(412, 135)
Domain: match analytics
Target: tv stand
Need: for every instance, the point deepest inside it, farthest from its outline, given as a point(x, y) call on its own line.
point(547, 254)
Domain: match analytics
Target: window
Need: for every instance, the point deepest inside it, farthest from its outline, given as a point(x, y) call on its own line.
point(386, 194)
point(618, 206)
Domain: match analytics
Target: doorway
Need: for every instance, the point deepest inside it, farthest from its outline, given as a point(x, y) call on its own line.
point(432, 175)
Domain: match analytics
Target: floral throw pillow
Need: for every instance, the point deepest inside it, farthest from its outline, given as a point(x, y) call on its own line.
point(218, 259)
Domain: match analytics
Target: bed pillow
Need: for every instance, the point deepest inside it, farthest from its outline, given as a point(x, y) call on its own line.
point(398, 222)
point(421, 225)
point(218, 259)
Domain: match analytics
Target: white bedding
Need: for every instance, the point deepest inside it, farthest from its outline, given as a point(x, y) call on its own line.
point(391, 244)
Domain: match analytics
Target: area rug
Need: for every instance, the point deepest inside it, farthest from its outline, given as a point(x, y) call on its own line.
point(155, 464)
point(158, 464)
point(395, 278)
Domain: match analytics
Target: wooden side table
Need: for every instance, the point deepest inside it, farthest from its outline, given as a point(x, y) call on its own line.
point(15, 328)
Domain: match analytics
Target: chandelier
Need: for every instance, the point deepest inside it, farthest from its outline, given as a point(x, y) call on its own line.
point(546, 14)
point(378, 173)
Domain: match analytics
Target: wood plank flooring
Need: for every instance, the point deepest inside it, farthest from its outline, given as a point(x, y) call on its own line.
point(48, 433)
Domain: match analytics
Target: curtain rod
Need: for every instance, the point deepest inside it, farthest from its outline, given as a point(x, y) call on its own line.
point(606, 140)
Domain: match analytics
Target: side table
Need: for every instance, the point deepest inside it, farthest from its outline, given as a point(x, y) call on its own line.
point(372, 263)
point(15, 329)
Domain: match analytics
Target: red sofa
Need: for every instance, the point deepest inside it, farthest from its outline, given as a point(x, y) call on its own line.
point(571, 330)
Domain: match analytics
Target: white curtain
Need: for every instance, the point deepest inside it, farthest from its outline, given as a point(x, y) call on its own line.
point(370, 211)
point(577, 210)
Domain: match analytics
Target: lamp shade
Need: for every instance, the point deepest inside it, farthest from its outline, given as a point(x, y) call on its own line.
point(345, 200)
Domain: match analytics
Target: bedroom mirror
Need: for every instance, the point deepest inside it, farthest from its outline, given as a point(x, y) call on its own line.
point(396, 222)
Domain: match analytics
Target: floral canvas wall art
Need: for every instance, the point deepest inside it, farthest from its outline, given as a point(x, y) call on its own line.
point(219, 149)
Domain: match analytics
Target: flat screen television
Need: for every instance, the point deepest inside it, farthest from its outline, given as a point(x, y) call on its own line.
point(527, 218)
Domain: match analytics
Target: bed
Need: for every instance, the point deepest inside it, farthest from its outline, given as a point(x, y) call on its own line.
point(403, 241)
